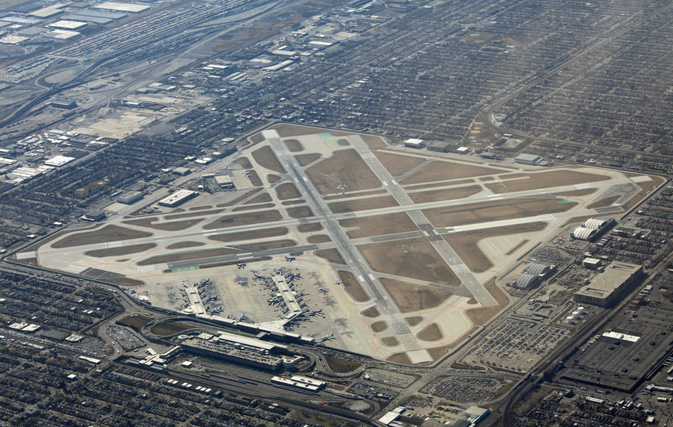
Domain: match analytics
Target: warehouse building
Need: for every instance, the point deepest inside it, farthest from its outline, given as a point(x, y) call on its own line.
point(530, 159)
point(414, 143)
point(607, 287)
point(178, 198)
point(225, 182)
point(66, 104)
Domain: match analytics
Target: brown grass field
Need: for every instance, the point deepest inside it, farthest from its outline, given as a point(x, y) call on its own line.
point(444, 170)
point(494, 211)
point(318, 238)
point(646, 188)
point(122, 250)
point(244, 219)
point(584, 192)
point(169, 328)
point(255, 180)
point(430, 333)
point(363, 204)
point(390, 341)
point(300, 212)
point(309, 228)
point(379, 326)
point(545, 180)
point(164, 226)
point(374, 142)
point(465, 244)
point(56, 236)
point(344, 171)
point(287, 190)
point(272, 178)
point(400, 358)
point(200, 208)
point(410, 297)
point(371, 312)
point(354, 194)
point(261, 198)
point(378, 225)
point(184, 245)
point(266, 158)
point(250, 235)
point(240, 198)
point(415, 258)
point(187, 256)
point(446, 194)
point(439, 184)
point(604, 202)
point(352, 286)
point(253, 207)
point(244, 162)
point(413, 320)
point(198, 214)
point(479, 316)
point(397, 164)
point(307, 159)
point(109, 233)
point(294, 145)
point(331, 255)
point(273, 244)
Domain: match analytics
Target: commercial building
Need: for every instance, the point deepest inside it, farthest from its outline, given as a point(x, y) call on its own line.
point(606, 287)
point(530, 159)
point(178, 198)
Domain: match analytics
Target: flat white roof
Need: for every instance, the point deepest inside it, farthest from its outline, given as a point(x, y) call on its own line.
point(59, 160)
point(67, 25)
point(620, 336)
point(125, 7)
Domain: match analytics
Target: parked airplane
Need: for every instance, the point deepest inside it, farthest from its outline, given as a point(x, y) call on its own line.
point(326, 338)
point(290, 258)
point(338, 282)
point(241, 265)
point(322, 289)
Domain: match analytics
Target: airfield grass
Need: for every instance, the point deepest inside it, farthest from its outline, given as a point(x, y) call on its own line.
point(294, 145)
point(307, 159)
point(254, 207)
point(494, 211)
point(379, 326)
point(244, 219)
point(250, 235)
point(604, 202)
point(109, 233)
point(261, 198)
point(187, 256)
point(272, 244)
point(352, 286)
point(272, 178)
point(300, 212)
point(240, 198)
point(479, 316)
point(371, 312)
point(445, 194)
point(244, 162)
point(465, 243)
point(164, 226)
point(309, 228)
point(266, 158)
point(344, 171)
point(544, 180)
point(414, 258)
point(169, 328)
point(318, 238)
point(413, 320)
point(577, 193)
point(122, 250)
point(390, 341)
point(354, 194)
point(286, 130)
point(445, 183)
point(374, 142)
point(646, 188)
point(331, 255)
point(286, 191)
point(362, 204)
point(430, 333)
point(397, 164)
point(378, 225)
point(444, 170)
point(411, 297)
point(255, 180)
point(184, 245)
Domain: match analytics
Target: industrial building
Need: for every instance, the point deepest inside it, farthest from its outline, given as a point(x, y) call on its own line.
point(225, 182)
point(178, 198)
point(66, 104)
point(533, 274)
point(131, 197)
point(592, 263)
point(94, 216)
point(530, 159)
point(606, 287)
point(414, 143)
